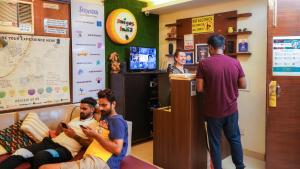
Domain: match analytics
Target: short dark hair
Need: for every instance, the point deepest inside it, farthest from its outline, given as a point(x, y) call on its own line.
point(176, 54)
point(107, 94)
point(90, 101)
point(216, 41)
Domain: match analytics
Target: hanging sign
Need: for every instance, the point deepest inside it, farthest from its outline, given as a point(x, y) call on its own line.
point(204, 24)
point(121, 26)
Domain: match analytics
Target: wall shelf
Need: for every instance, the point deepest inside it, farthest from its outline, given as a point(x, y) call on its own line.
point(169, 55)
point(171, 39)
point(239, 33)
point(172, 24)
point(240, 15)
point(239, 53)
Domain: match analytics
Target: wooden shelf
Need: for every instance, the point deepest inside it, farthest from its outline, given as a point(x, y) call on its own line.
point(239, 53)
point(239, 33)
point(170, 39)
point(240, 15)
point(172, 24)
point(169, 55)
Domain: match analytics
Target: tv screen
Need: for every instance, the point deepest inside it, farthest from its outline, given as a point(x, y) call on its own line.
point(142, 58)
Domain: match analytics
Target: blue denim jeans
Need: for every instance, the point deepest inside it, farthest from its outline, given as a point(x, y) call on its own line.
point(232, 132)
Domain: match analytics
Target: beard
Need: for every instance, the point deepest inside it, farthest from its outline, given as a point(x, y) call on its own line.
point(84, 116)
point(105, 113)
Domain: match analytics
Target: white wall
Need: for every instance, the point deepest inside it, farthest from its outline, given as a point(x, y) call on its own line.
point(251, 103)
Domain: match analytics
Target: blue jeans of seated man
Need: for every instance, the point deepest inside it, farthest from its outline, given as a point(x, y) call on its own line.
point(232, 132)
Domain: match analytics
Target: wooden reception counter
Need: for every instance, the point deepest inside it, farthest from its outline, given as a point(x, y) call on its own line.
point(179, 130)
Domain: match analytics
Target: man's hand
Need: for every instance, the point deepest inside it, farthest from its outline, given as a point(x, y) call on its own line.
point(69, 132)
point(90, 133)
point(103, 124)
point(200, 85)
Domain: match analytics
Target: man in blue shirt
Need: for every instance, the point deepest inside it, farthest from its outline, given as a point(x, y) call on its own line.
point(104, 152)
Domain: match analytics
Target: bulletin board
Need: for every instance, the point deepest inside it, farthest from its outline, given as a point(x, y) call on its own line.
point(35, 69)
point(30, 76)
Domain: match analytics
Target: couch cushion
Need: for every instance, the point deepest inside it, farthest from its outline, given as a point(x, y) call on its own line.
point(34, 128)
point(13, 138)
point(51, 116)
point(2, 150)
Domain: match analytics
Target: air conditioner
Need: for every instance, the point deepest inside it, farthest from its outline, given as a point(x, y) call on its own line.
point(16, 17)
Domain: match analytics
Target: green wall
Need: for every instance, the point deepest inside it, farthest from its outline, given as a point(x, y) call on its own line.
point(147, 31)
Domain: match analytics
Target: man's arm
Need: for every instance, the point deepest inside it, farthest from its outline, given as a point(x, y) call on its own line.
point(59, 129)
point(200, 84)
point(71, 133)
point(82, 141)
point(242, 83)
point(114, 146)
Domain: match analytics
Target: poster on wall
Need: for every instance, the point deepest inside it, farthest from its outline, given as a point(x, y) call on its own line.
point(189, 57)
point(203, 24)
point(189, 42)
point(30, 76)
point(16, 17)
point(202, 52)
point(286, 56)
point(88, 49)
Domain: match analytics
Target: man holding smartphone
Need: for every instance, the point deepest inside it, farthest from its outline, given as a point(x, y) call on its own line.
point(110, 140)
point(62, 148)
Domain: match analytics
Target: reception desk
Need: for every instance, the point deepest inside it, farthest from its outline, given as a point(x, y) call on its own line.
point(179, 130)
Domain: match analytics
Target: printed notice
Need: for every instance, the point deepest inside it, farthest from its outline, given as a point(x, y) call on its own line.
point(286, 56)
point(56, 23)
point(204, 24)
point(55, 31)
point(189, 42)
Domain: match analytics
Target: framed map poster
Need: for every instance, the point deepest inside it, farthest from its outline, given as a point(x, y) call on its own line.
point(31, 77)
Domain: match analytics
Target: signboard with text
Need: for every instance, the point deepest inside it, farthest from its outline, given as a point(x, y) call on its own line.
point(88, 49)
point(203, 24)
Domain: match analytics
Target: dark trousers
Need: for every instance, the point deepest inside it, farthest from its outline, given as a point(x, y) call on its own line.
point(232, 132)
point(44, 152)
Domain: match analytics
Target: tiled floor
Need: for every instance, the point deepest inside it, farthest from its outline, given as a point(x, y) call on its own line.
point(250, 163)
point(145, 152)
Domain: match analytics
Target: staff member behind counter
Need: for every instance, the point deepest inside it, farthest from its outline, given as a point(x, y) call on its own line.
point(179, 61)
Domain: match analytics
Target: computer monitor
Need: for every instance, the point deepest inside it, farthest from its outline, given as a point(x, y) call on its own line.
point(142, 59)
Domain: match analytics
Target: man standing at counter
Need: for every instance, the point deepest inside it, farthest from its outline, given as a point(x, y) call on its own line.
point(219, 77)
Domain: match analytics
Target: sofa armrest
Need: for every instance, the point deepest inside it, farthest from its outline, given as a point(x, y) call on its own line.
point(129, 124)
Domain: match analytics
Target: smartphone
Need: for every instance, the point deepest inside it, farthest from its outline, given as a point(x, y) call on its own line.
point(83, 127)
point(64, 125)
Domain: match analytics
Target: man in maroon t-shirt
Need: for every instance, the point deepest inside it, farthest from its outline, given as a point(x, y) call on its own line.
point(219, 77)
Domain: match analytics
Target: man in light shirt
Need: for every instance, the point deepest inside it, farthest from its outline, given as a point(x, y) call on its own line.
point(110, 140)
point(61, 148)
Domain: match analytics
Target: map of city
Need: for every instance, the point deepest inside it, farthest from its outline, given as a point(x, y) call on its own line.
point(34, 71)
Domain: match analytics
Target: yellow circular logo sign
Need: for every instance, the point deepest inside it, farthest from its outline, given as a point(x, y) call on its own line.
point(121, 26)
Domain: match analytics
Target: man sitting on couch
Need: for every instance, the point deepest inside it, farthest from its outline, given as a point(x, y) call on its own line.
point(61, 148)
point(110, 141)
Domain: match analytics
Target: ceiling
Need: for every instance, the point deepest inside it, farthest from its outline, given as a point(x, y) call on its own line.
point(176, 5)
